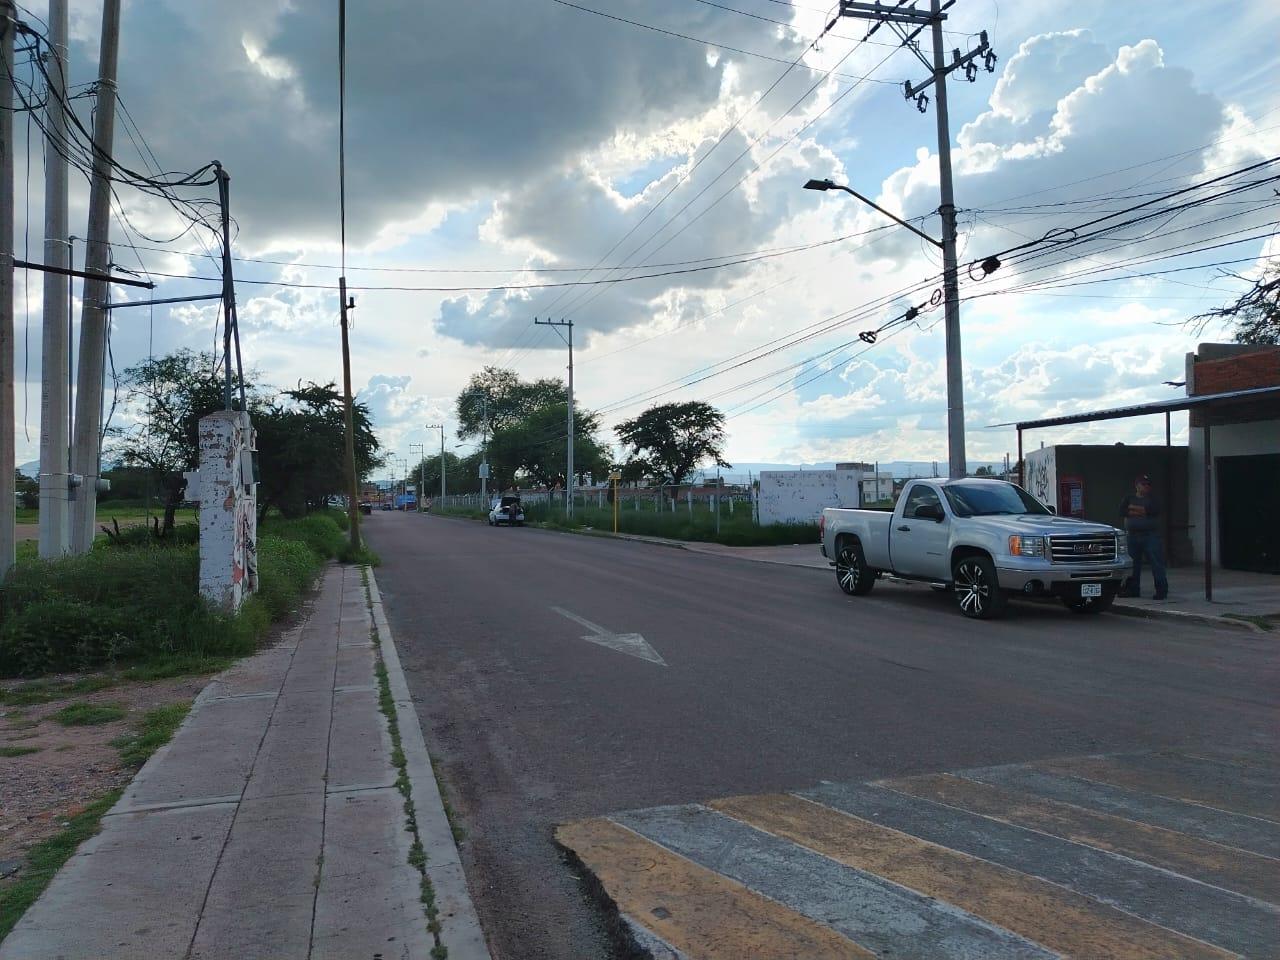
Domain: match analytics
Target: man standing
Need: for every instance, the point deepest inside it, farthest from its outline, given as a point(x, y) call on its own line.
point(1141, 512)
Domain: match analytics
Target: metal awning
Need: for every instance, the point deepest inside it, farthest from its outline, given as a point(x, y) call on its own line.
point(1206, 402)
point(1143, 409)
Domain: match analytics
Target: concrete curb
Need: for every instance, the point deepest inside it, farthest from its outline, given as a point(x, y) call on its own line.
point(460, 929)
point(1183, 616)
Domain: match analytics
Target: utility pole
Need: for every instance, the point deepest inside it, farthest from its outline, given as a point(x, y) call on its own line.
point(440, 427)
point(8, 439)
point(899, 19)
point(348, 414)
point(86, 448)
point(420, 488)
point(55, 505)
point(569, 477)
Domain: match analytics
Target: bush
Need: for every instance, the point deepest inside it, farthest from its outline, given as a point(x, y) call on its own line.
point(139, 600)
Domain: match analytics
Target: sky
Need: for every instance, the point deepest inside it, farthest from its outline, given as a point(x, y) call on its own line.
point(508, 160)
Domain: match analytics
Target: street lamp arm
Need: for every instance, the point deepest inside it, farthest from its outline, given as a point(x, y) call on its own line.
point(825, 185)
point(896, 219)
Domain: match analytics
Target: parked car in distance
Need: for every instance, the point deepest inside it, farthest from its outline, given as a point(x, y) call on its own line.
point(983, 539)
point(366, 506)
point(506, 509)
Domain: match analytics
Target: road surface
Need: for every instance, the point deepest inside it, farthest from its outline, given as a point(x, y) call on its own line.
point(562, 678)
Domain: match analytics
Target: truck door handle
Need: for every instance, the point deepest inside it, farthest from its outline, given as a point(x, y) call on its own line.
point(904, 529)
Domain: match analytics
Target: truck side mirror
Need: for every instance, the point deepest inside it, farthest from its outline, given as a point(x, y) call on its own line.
point(931, 511)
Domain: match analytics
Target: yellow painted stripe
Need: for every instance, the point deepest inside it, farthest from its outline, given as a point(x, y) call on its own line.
point(1050, 915)
point(1237, 870)
point(697, 911)
point(1213, 791)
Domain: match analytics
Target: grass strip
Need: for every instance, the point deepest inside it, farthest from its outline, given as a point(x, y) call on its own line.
point(18, 751)
point(36, 692)
point(46, 858)
point(153, 731)
point(417, 853)
point(89, 714)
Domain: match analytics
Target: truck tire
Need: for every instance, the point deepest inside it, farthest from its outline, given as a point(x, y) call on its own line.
point(852, 573)
point(977, 587)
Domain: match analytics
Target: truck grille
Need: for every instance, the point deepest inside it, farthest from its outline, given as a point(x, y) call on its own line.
point(1083, 548)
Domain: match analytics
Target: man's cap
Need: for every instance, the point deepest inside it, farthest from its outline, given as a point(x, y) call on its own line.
point(1143, 478)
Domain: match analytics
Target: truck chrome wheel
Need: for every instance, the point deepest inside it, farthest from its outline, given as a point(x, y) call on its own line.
point(977, 589)
point(852, 573)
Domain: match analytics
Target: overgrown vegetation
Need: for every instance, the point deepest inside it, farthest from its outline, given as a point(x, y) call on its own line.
point(736, 529)
point(140, 603)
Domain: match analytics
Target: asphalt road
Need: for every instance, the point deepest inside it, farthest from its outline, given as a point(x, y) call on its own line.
point(771, 679)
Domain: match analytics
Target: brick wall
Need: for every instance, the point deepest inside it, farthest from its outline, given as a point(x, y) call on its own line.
point(1242, 372)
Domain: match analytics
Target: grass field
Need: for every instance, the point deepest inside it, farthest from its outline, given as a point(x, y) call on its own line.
point(108, 510)
point(737, 529)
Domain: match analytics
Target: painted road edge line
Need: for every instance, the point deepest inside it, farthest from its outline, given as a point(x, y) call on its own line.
point(460, 929)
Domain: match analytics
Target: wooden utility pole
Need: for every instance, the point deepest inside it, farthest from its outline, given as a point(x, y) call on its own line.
point(86, 440)
point(569, 472)
point(348, 413)
point(55, 383)
point(8, 441)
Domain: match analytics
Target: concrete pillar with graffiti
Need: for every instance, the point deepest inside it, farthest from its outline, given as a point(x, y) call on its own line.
point(226, 486)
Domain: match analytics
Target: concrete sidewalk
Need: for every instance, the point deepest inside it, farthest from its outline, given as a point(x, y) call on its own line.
point(271, 825)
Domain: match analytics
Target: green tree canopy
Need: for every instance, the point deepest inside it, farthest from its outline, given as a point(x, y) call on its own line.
point(505, 398)
point(668, 441)
point(301, 447)
point(534, 448)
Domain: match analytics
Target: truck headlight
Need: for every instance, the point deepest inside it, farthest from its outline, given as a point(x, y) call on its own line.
point(1122, 545)
point(1026, 546)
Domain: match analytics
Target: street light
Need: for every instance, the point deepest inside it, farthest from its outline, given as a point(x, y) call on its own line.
point(951, 307)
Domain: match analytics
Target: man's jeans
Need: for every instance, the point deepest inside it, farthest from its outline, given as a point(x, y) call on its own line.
point(1147, 544)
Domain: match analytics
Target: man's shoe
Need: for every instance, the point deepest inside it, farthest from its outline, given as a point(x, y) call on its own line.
point(1160, 596)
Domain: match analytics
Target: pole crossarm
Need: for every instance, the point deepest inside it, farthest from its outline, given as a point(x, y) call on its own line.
point(912, 91)
point(878, 11)
point(156, 303)
point(87, 274)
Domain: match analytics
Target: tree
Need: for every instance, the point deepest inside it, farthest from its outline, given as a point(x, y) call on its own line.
point(984, 471)
point(1256, 313)
point(301, 433)
point(166, 397)
point(302, 448)
point(505, 398)
point(28, 490)
point(669, 440)
point(535, 446)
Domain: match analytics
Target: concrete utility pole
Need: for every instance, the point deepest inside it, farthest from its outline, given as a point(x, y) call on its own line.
point(899, 19)
point(86, 448)
point(421, 486)
point(440, 427)
point(8, 440)
point(55, 505)
point(569, 476)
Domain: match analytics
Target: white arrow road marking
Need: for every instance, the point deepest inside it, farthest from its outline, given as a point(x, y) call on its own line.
point(629, 643)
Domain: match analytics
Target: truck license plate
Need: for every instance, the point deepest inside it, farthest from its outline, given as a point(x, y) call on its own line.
point(1090, 590)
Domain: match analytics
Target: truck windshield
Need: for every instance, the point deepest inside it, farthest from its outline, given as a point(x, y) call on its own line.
point(990, 499)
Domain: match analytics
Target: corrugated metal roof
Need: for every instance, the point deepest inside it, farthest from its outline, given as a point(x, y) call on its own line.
point(1142, 409)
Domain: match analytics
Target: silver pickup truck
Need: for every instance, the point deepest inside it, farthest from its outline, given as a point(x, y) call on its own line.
point(982, 539)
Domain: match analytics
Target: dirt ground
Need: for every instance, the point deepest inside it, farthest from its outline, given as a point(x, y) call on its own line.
point(73, 765)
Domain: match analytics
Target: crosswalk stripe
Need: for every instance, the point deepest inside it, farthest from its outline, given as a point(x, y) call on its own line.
point(1230, 829)
point(1209, 784)
point(697, 911)
point(884, 917)
point(1228, 920)
point(1048, 914)
point(1203, 860)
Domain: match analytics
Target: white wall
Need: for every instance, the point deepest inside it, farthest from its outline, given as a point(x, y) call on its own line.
point(1041, 468)
point(799, 496)
point(1231, 440)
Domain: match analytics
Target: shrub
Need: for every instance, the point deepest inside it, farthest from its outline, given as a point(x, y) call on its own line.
point(318, 531)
